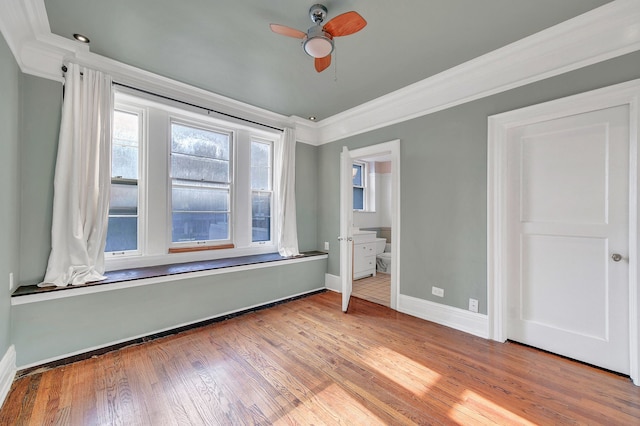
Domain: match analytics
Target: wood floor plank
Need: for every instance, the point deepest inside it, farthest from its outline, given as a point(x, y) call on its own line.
point(321, 380)
point(214, 402)
point(18, 407)
point(440, 358)
point(351, 356)
point(241, 343)
point(342, 368)
point(306, 362)
point(236, 380)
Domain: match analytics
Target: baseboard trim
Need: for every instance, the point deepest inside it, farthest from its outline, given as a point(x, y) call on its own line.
point(459, 319)
point(47, 364)
point(7, 372)
point(333, 283)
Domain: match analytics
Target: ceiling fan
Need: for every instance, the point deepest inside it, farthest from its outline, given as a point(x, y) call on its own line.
point(318, 40)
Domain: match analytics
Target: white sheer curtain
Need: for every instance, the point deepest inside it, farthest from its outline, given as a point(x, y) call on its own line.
point(287, 224)
point(82, 180)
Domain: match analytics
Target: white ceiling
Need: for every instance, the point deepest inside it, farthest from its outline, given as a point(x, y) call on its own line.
point(226, 47)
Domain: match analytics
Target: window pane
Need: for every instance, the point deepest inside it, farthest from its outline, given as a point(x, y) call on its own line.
point(261, 165)
point(199, 159)
point(124, 199)
point(124, 161)
point(125, 126)
point(260, 154)
point(201, 226)
point(202, 199)
point(357, 175)
point(123, 234)
point(200, 213)
point(261, 216)
point(122, 231)
point(358, 198)
point(261, 178)
point(199, 168)
point(198, 154)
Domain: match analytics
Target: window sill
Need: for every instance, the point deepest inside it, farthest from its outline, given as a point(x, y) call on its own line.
point(134, 277)
point(114, 263)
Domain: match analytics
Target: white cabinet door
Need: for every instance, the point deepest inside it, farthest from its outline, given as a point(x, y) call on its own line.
point(364, 260)
point(568, 289)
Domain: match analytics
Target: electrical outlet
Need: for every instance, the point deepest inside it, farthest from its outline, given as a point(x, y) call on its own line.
point(326, 245)
point(437, 291)
point(473, 305)
point(10, 281)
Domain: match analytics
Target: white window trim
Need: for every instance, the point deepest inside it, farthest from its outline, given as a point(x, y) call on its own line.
point(154, 227)
point(199, 124)
point(142, 164)
point(363, 174)
point(274, 203)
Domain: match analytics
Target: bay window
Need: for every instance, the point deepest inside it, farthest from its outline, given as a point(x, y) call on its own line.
point(186, 186)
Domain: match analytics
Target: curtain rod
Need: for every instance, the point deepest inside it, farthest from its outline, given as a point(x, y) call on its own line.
point(64, 69)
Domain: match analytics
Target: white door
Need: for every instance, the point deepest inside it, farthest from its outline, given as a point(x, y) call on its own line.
point(568, 288)
point(346, 226)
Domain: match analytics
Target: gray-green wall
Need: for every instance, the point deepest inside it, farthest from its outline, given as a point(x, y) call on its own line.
point(9, 189)
point(103, 318)
point(54, 328)
point(307, 196)
point(41, 112)
point(444, 184)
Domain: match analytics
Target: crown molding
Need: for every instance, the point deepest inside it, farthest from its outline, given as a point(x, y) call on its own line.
point(14, 27)
point(25, 27)
point(603, 33)
point(600, 34)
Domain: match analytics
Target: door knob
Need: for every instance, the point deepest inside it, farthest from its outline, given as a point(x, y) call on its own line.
point(616, 257)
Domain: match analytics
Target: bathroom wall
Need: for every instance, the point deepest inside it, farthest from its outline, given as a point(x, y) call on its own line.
point(380, 175)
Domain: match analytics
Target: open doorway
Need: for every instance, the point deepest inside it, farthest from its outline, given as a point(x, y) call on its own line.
point(370, 223)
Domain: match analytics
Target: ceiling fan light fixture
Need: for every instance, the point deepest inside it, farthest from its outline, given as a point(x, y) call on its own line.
point(318, 43)
point(318, 47)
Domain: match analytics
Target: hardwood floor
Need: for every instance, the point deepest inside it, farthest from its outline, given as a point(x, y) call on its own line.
point(305, 362)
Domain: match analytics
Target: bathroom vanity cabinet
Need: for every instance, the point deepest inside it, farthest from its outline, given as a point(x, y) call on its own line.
point(364, 254)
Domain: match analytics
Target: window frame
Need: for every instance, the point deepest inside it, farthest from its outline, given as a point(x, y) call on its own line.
point(364, 171)
point(140, 182)
point(272, 192)
point(175, 247)
point(154, 226)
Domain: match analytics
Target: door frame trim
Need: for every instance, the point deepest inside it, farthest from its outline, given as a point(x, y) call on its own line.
point(393, 149)
point(497, 203)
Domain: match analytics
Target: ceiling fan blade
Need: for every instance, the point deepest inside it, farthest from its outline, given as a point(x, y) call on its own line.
point(287, 31)
point(323, 63)
point(345, 24)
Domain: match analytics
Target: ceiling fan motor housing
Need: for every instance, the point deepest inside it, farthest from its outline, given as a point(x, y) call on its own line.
point(317, 13)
